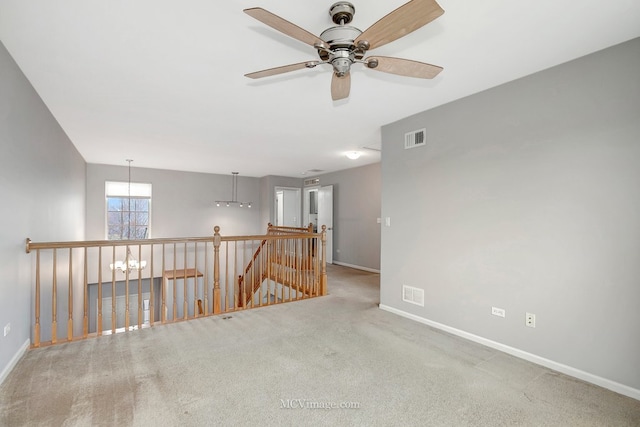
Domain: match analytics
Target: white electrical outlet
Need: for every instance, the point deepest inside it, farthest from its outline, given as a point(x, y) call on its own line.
point(7, 329)
point(530, 320)
point(498, 312)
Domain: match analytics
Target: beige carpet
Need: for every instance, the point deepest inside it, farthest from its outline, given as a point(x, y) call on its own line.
point(336, 360)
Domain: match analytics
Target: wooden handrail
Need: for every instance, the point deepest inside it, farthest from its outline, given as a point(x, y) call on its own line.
point(31, 245)
point(288, 229)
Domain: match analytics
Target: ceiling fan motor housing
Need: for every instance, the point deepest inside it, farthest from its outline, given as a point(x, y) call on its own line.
point(339, 38)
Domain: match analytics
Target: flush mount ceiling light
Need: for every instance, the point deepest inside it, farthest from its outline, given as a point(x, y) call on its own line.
point(234, 194)
point(353, 155)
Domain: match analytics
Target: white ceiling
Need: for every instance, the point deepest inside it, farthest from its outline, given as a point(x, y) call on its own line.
point(162, 81)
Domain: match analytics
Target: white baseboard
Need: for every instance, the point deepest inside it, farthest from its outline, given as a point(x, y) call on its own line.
point(357, 267)
point(14, 361)
point(568, 370)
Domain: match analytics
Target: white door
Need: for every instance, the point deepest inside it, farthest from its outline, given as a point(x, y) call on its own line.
point(325, 217)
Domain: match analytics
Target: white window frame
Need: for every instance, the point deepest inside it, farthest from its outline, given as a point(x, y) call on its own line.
point(139, 190)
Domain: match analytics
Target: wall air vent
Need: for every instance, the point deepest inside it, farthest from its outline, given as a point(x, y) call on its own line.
point(311, 181)
point(415, 139)
point(413, 295)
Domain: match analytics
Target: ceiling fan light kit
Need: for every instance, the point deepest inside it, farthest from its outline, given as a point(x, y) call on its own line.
point(342, 45)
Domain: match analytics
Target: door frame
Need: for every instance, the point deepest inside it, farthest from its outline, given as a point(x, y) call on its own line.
point(297, 204)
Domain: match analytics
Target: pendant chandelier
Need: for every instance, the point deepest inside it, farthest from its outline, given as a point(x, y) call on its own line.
point(234, 194)
point(130, 263)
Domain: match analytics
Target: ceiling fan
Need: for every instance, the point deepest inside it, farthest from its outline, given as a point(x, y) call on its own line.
point(342, 46)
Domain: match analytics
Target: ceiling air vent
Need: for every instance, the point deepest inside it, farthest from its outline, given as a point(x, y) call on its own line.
point(415, 139)
point(413, 295)
point(311, 181)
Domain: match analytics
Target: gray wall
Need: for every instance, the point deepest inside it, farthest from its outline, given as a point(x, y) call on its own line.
point(42, 187)
point(356, 209)
point(526, 198)
point(182, 203)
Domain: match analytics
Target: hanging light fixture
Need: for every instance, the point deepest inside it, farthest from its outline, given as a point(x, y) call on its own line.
point(129, 263)
point(234, 194)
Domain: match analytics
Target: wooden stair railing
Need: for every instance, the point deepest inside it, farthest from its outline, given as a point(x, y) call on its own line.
point(273, 262)
point(259, 274)
point(71, 280)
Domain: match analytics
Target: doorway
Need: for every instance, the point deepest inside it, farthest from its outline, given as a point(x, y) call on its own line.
point(287, 207)
point(318, 210)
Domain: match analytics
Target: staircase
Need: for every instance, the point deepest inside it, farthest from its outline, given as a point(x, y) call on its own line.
point(281, 269)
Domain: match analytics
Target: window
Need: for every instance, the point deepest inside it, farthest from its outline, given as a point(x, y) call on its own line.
point(128, 210)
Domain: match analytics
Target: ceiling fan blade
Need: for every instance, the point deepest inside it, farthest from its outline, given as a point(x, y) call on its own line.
point(340, 86)
point(402, 67)
point(402, 21)
point(284, 26)
point(281, 70)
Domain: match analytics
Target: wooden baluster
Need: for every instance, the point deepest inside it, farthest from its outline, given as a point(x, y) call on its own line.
point(225, 308)
point(287, 265)
point(70, 295)
point(314, 268)
point(323, 277)
point(54, 301)
point(309, 269)
point(152, 297)
point(266, 268)
point(85, 286)
point(216, 269)
point(301, 283)
point(140, 287)
point(163, 308)
point(262, 290)
point(113, 293)
point(255, 288)
point(302, 259)
point(247, 283)
point(175, 289)
point(307, 272)
point(127, 319)
point(197, 302)
point(185, 306)
point(285, 269)
point(250, 286)
point(239, 278)
point(301, 271)
point(289, 275)
point(99, 326)
point(304, 245)
point(294, 276)
point(237, 298)
point(278, 277)
point(205, 280)
point(36, 334)
point(276, 274)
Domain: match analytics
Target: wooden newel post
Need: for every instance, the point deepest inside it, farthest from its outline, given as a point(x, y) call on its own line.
point(216, 269)
point(323, 274)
